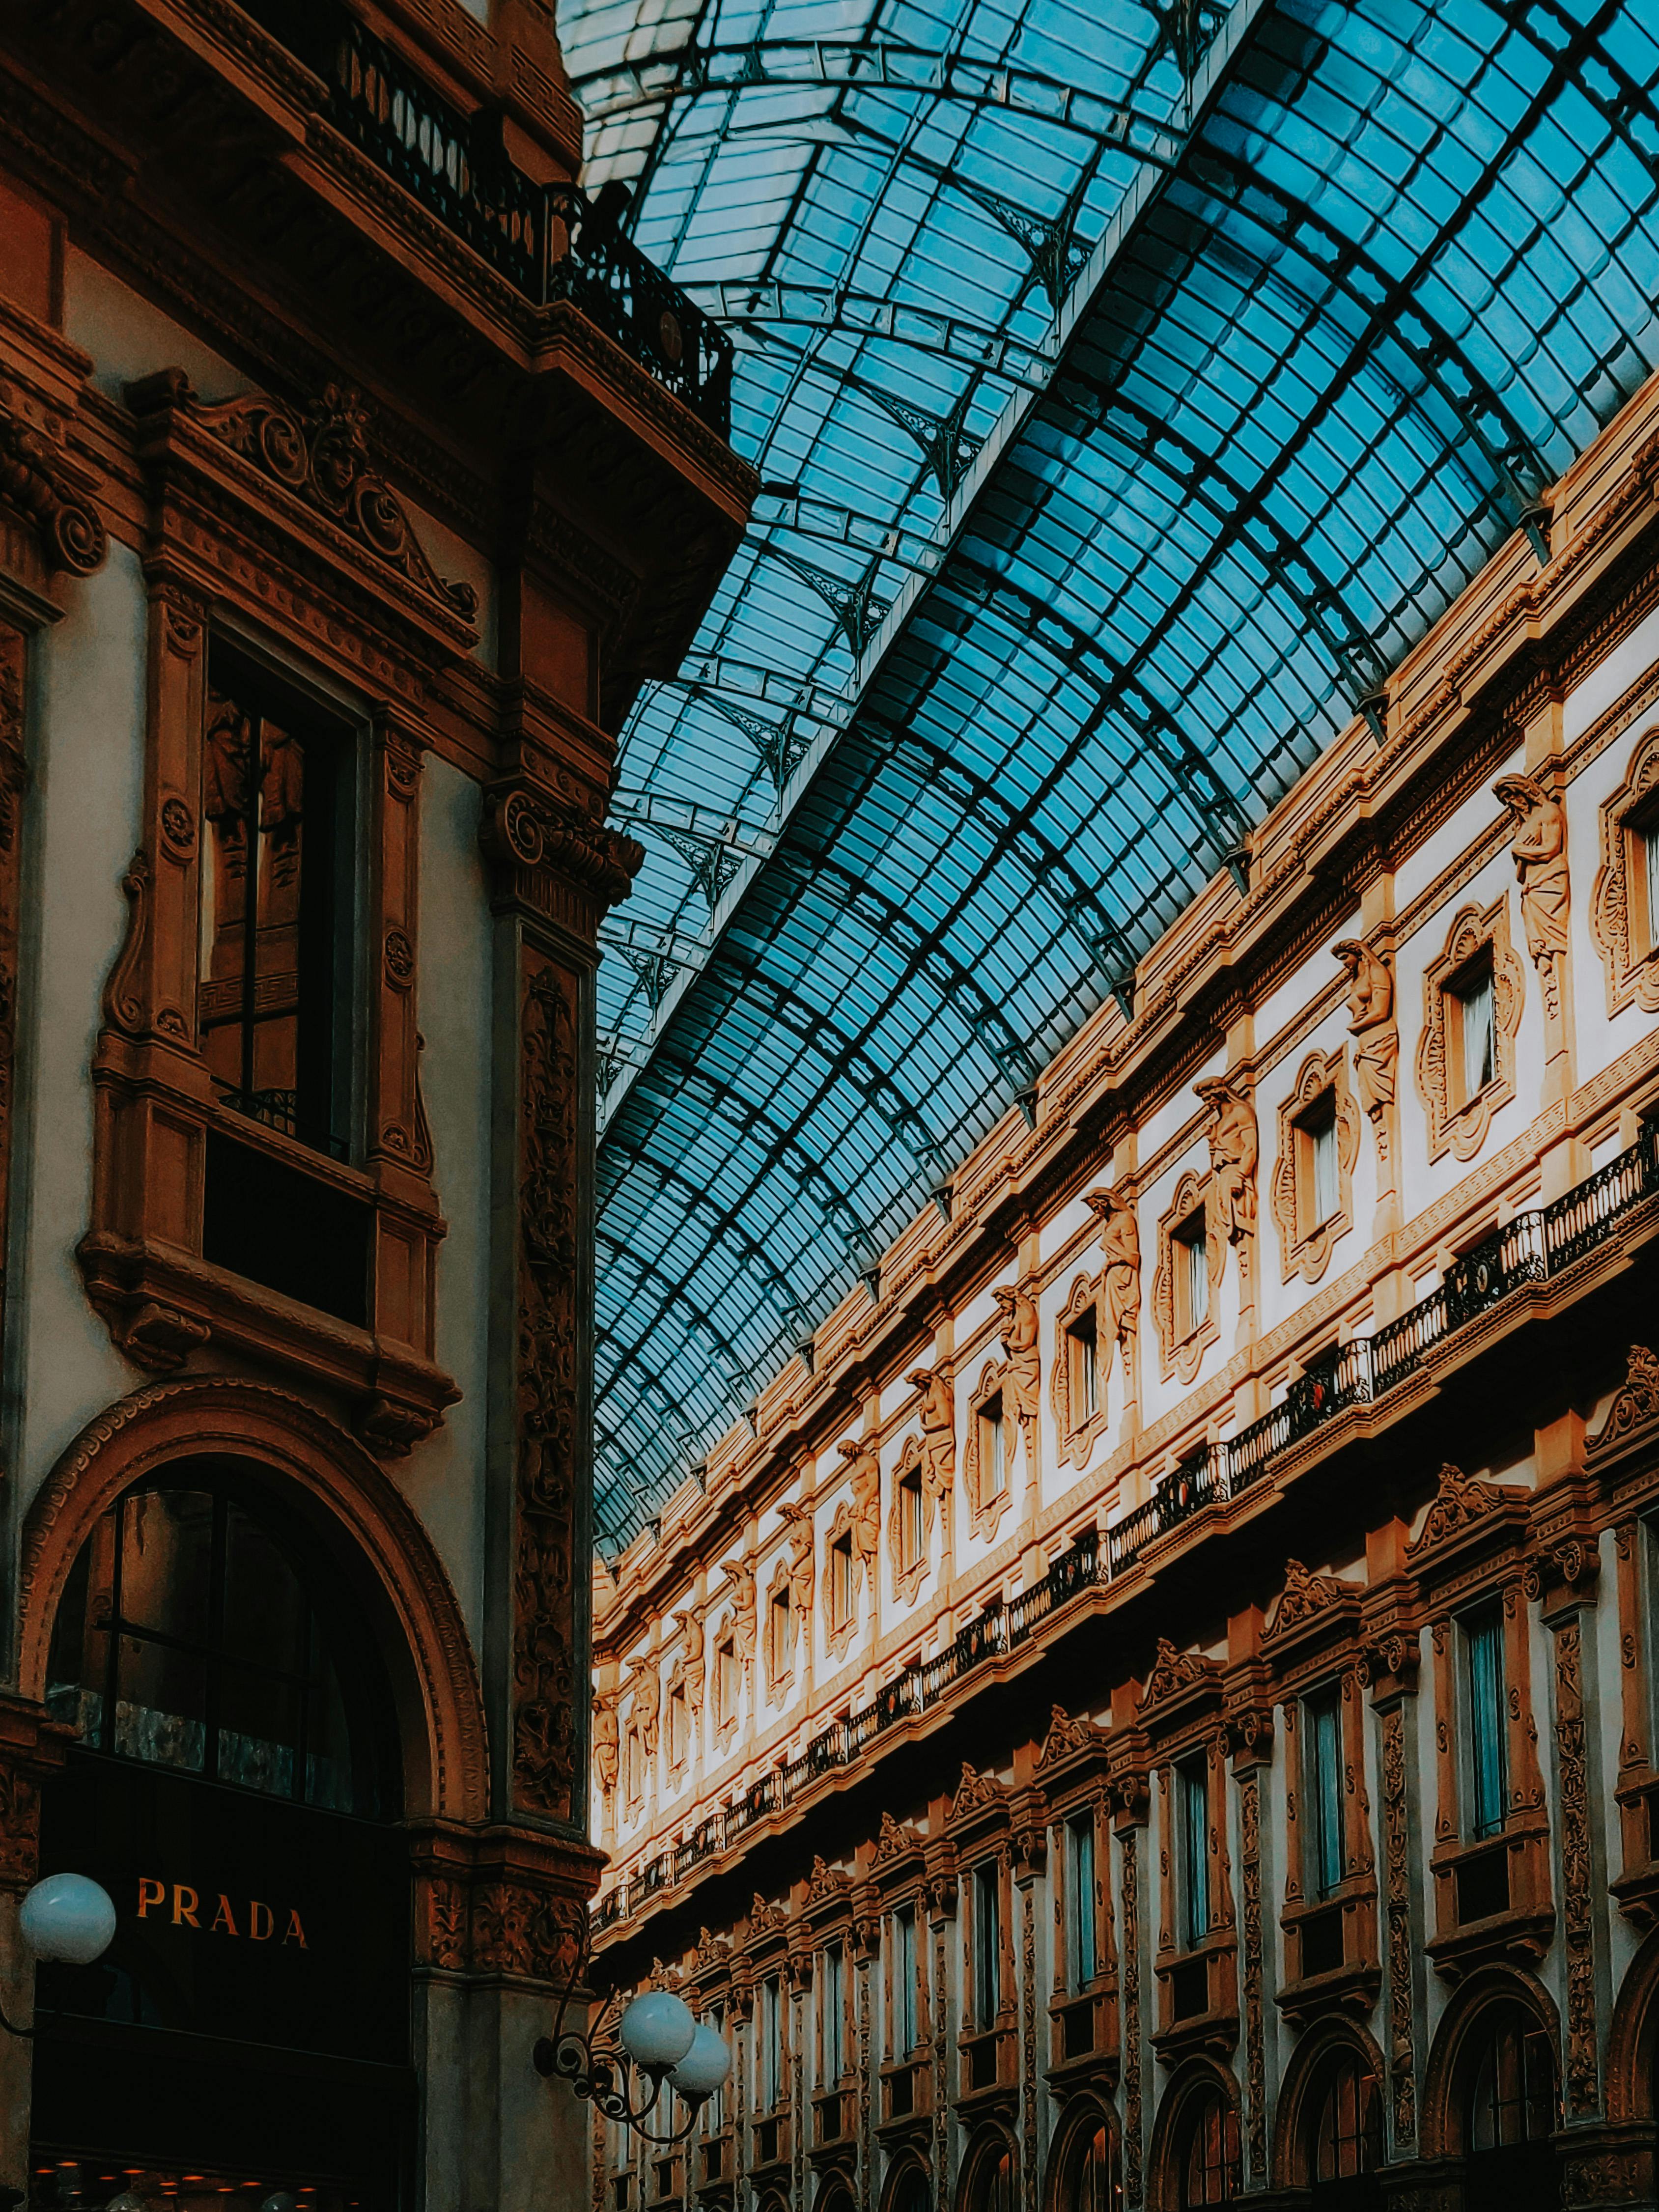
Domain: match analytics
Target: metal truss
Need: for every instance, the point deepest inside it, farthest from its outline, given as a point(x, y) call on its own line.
point(786, 506)
point(831, 307)
point(835, 66)
point(677, 1288)
point(727, 1224)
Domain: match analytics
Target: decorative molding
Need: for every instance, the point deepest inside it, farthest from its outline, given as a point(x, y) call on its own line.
point(1397, 1862)
point(937, 1416)
point(37, 482)
point(1230, 1200)
point(1578, 1887)
point(893, 1842)
point(321, 457)
point(976, 1792)
point(1457, 1124)
point(862, 1469)
point(1459, 1502)
point(985, 1511)
point(909, 1574)
point(1021, 1334)
point(1626, 934)
point(1067, 1737)
point(1635, 1404)
point(1305, 1596)
point(1079, 1433)
point(1538, 846)
point(1255, 2067)
point(1119, 1278)
point(1180, 1355)
point(1173, 1672)
point(1134, 2122)
point(1375, 1031)
point(1305, 1244)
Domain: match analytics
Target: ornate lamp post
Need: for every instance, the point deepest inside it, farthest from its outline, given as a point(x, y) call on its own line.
point(658, 2038)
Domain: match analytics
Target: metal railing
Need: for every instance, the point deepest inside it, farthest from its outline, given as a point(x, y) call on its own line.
point(550, 242)
point(1530, 1248)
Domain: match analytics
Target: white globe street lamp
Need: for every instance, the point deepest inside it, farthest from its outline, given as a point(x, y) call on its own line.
point(660, 2035)
point(67, 1916)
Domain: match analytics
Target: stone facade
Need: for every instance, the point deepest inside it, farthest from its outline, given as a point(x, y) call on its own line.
point(1232, 1774)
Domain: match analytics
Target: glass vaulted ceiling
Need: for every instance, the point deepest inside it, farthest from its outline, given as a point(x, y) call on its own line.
point(1129, 390)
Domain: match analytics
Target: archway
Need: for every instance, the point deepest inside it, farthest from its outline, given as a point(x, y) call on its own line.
point(1330, 2129)
point(1195, 2155)
point(988, 2174)
point(1492, 2094)
point(908, 2187)
point(1083, 2168)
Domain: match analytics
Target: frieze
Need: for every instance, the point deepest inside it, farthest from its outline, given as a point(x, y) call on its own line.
point(1175, 1672)
point(1306, 1596)
point(1460, 1501)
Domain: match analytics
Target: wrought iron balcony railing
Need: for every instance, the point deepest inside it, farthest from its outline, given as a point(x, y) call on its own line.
point(550, 242)
point(1532, 1249)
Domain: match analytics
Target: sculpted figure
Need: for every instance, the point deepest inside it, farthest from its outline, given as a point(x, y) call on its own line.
point(696, 1670)
point(646, 1683)
point(740, 1574)
point(863, 1457)
point(1233, 1151)
point(1538, 845)
point(939, 1444)
point(1018, 1326)
point(607, 1743)
point(803, 1569)
point(1119, 1248)
point(1371, 1025)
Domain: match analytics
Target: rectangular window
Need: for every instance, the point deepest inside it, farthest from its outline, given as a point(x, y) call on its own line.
point(841, 1581)
point(1325, 1792)
point(904, 1982)
point(779, 1652)
point(987, 1946)
point(1193, 1844)
point(1192, 1274)
point(768, 2057)
point(278, 779)
point(993, 1448)
point(679, 1734)
point(725, 1681)
point(1477, 1020)
point(833, 2018)
point(1083, 1359)
point(1648, 841)
point(713, 2111)
point(910, 1517)
point(1320, 1184)
point(1081, 1889)
point(1488, 1725)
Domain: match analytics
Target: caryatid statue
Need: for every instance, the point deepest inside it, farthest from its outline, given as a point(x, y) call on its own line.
point(939, 1445)
point(1018, 1326)
point(745, 1611)
point(645, 1680)
point(1538, 845)
point(1120, 1278)
point(607, 1742)
point(1235, 1148)
point(803, 1564)
point(1372, 1027)
point(863, 1458)
point(695, 1666)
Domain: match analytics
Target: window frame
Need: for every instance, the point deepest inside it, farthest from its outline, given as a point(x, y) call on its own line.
point(1487, 1750)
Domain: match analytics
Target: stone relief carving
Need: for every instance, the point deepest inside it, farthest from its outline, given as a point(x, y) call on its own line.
point(1635, 1403)
point(862, 1455)
point(1120, 1276)
point(1460, 1500)
point(322, 457)
point(696, 1664)
point(803, 1566)
point(1375, 1031)
point(607, 1743)
point(1235, 1148)
point(1306, 1595)
point(1625, 928)
point(1458, 1123)
point(1017, 1325)
point(1304, 1243)
point(740, 1579)
point(35, 481)
point(1181, 1348)
point(939, 1448)
point(1577, 1870)
point(1538, 845)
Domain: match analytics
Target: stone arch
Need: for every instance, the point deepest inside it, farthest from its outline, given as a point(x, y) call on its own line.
point(991, 2143)
point(1079, 2119)
point(1445, 2078)
point(1197, 2079)
point(1303, 2081)
point(898, 2190)
point(345, 1493)
point(1633, 2038)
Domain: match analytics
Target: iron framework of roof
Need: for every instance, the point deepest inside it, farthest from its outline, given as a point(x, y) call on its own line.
point(1131, 390)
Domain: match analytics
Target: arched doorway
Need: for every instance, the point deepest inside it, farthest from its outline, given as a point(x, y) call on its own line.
point(909, 2188)
point(1508, 2113)
point(1206, 2152)
point(234, 1784)
point(988, 2179)
point(1086, 2168)
point(1343, 2150)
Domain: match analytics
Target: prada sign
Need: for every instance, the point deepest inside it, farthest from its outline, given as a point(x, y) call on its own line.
point(238, 1916)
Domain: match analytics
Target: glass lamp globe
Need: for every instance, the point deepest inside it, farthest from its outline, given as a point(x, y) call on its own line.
point(704, 2066)
point(657, 2030)
point(67, 1915)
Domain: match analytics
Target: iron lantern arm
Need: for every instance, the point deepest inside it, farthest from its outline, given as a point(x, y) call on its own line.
point(599, 2073)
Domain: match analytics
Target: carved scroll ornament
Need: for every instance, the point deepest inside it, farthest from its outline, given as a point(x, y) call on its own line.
point(322, 456)
point(35, 481)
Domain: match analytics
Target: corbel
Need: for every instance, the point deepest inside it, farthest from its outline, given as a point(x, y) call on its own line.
point(553, 859)
point(1027, 1818)
point(400, 1143)
point(938, 1880)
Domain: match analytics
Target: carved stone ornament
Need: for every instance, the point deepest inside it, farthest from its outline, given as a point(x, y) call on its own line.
point(606, 1743)
point(893, 1842)
point(530, 830)
point(975, 1792)
point(1538, 846)
point(1460, 1501)
point(1306, 1595)
point(36, 482)
point(322, 457)
point(765, 1919)
point(937, 1416)
point(1180, 1345)
point(1018, 1327)
point(1078, 1425)
point(1234, 1147)
point(1376, 1033)
point(825, 1885)
point(1174, 1671)
point(1119, 1275)
point(987, 1507)
point(1306, 1239)
point(1458, 1122)
point(1624, 929)
point(1066, 1736)
point(1635, 1404)
point(908, 1572)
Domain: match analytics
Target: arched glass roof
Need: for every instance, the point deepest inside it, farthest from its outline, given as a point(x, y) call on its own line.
point(1130, 390)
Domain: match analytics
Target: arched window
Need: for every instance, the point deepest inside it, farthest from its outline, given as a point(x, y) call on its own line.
point(991, 2186)
point(1088, 2181)
point(1346, 2145)
point(201, 1630)
point(1209, 2163)
point(1510, 2116)
point(910, 2191)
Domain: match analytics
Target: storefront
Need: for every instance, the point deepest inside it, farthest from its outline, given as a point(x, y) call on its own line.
point(236, 1787)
